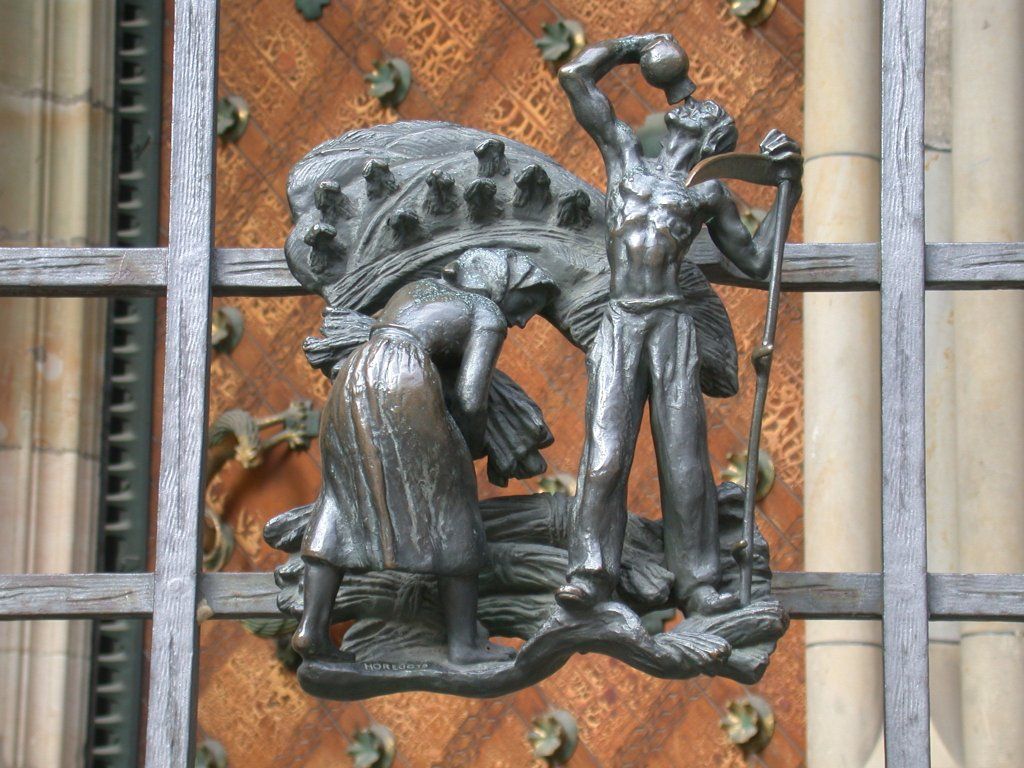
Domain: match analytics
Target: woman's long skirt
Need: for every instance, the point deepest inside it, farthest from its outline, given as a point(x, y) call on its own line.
point(399, 488)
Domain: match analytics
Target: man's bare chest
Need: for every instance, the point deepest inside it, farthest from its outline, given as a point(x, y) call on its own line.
point(642, 203)
point(645, 197)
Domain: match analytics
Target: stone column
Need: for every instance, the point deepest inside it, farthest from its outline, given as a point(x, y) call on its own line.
point(988, 204)
point(940, 391)
point(56, 76)
point(842, 485)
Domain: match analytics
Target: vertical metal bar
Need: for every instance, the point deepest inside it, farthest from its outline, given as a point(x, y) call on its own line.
point(904, 554)
point(170, 729)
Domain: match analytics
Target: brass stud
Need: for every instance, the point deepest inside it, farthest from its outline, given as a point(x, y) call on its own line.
point(232, 117)
point(553, 737)
point(372, 747)
point(226, 328)
point(736, 471)
point(311, 10)
point(389, 81)
point(561, 41)
point(752, 12)
point(211, 754)
point(749, 723)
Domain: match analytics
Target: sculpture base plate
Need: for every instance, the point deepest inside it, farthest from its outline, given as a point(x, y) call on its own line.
point(707, 645)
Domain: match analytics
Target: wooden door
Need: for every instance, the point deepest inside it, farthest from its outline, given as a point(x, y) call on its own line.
point(476, 63)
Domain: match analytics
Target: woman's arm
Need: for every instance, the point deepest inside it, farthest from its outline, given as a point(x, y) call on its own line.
point(473, 385)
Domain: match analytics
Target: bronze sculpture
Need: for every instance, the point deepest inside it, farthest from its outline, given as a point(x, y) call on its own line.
point(646, 349)
point(405, 419)
point(426, 240)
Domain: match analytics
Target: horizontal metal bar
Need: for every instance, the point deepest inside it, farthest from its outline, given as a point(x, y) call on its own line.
point(253, 272)
point(82, 271)
point(976, 596)
point(821, 595)
point(954, 597)
point(973, 265)
point(239, 595)
point(263, 271)
point(136, 272)
point(75, 595)
point(806, 595)
point(951, 596)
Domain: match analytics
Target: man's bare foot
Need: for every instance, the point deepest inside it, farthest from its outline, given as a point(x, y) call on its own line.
point(707, 601)
point(581, 593)
point(480, 654)
point(309, 646)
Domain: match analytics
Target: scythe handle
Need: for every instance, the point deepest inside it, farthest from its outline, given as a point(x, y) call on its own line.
point(762, 361)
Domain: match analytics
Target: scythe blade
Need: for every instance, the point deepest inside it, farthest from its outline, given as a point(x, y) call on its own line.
point(742, 166)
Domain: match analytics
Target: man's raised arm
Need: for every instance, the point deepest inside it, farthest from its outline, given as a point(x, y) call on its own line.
point(591, 107)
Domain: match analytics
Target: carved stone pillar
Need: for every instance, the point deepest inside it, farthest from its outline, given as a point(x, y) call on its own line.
point(56, 74)
point(842, 485)
point(940, 392)
point(988, 204)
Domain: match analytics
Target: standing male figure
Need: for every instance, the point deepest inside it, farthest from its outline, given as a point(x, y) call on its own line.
point(646, 346)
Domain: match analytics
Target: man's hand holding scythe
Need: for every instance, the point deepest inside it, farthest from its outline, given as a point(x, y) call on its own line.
point(779, 164)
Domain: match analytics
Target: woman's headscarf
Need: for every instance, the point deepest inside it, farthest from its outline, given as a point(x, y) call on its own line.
point(498, 272)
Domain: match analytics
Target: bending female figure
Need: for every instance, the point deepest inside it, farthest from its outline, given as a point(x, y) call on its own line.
point(405, 418)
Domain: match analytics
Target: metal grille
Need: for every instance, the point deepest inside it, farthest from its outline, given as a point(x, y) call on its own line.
point(902, 266)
